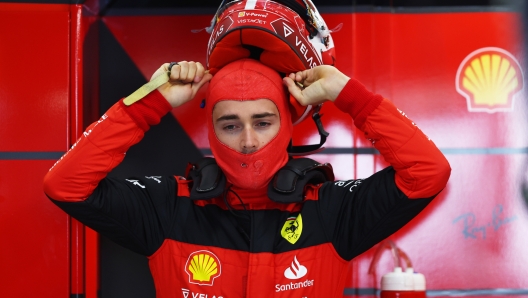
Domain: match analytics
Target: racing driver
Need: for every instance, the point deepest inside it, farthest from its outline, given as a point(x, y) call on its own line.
point(252, 222)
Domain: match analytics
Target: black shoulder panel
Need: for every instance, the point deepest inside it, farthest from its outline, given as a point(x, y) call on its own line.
point(288, 184)
point(208, 179)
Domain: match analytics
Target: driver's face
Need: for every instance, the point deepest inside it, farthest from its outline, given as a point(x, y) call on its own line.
point(246, 126)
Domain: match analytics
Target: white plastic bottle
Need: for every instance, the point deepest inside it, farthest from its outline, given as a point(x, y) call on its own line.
point(419, 285)
point(397, 284)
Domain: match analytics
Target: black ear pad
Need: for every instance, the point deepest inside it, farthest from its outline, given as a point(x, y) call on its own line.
point(208, 179)
point(288, 184)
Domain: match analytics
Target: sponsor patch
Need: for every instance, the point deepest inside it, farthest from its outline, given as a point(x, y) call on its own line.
point(203, 267)
point(294, 272)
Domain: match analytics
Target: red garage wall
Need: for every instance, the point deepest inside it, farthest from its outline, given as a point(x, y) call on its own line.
point(34, 55)
point(43, 251)
point(472, 236)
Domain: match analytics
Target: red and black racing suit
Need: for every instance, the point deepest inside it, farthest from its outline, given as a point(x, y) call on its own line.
point(275, 250)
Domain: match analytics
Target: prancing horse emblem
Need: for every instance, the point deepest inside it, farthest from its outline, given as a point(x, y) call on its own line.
point(292, 229)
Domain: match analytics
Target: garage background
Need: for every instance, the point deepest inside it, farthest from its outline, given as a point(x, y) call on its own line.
point(63, 63)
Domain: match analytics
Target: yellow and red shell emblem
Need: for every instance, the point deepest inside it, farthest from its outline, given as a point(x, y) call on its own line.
point(489, 78)
point(203, 267)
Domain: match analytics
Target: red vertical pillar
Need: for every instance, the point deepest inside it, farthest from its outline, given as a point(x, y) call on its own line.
point(77, 235)
point(84, 269)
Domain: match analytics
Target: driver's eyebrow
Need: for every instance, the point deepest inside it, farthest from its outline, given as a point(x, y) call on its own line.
point(228, 117)
point(236, 117)
point(262, 115)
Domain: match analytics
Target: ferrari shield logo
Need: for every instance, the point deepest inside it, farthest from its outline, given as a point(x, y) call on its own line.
point(292, 229)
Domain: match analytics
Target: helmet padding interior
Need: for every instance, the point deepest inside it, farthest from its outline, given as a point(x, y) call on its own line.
point(276, 53)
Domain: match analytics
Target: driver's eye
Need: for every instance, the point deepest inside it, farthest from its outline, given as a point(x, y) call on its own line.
point(263, 124)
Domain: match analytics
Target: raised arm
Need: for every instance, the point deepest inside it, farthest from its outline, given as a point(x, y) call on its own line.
point(421, 169)
point(77, 184)
point(104, 143)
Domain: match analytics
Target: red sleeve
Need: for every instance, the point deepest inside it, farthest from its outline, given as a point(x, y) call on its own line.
point(422, 170)
point(102, 147)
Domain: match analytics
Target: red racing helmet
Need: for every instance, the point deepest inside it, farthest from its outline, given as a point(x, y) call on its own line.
point(286, 35)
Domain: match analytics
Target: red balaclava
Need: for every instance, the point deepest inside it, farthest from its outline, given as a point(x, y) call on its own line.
point(248, 79)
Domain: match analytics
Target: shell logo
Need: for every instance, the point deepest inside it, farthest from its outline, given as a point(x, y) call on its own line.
point(203, 267)
point(489, 79)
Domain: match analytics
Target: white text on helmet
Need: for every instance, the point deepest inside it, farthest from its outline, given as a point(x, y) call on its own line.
point(302, 47)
